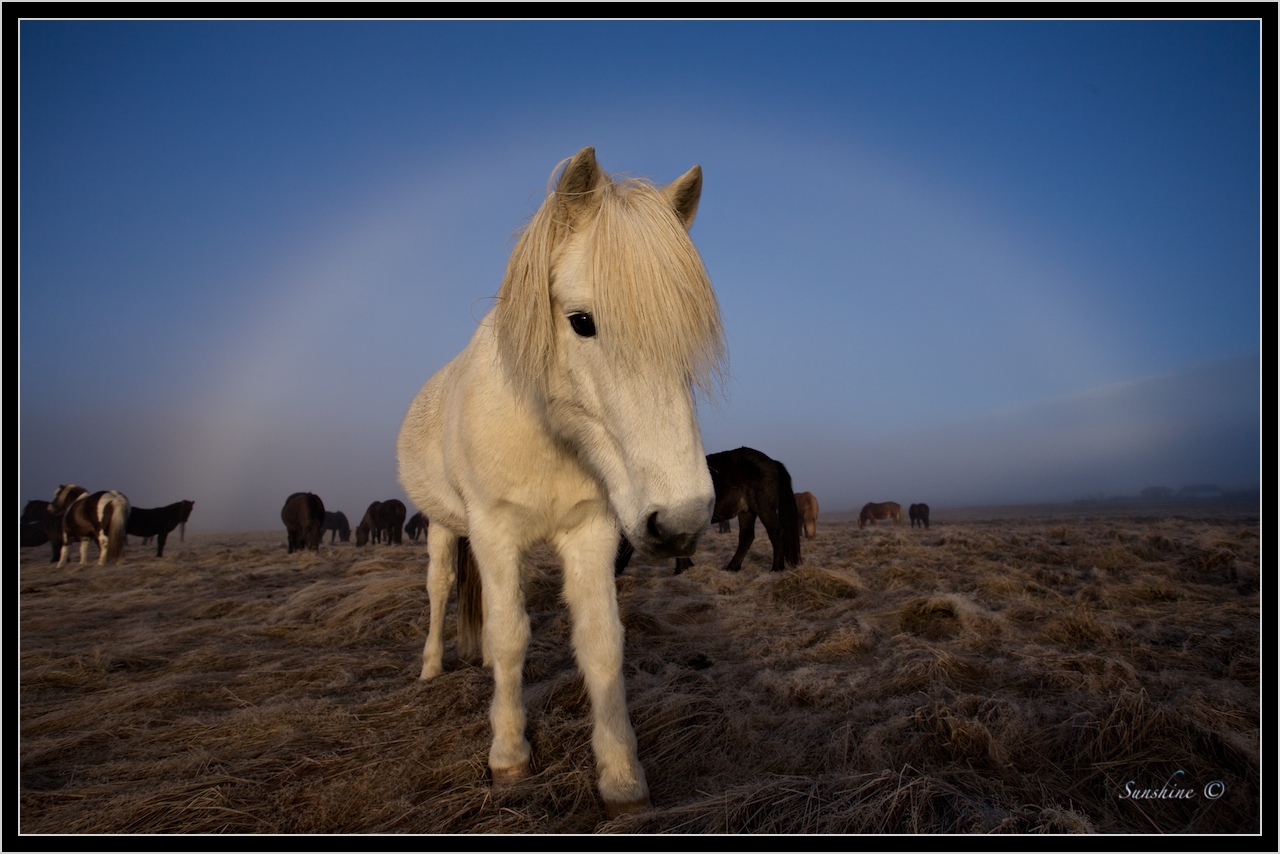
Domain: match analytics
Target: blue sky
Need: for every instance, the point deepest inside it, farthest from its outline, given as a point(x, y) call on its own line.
point(958, 262)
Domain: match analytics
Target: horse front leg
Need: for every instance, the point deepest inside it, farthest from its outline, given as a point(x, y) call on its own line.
point(506, 639)
point(442, 547)
point(746, 533)
point(590, 590)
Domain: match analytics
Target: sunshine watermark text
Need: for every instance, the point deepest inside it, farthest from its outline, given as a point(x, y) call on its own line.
point(1174, 788)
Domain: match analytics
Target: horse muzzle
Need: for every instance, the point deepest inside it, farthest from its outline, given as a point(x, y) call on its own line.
point(673, 532)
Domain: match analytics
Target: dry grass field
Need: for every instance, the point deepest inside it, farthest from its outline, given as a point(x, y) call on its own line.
point(1040, 670)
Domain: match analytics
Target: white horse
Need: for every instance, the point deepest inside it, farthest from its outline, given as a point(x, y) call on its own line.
point(102, 516)
point(567, 419)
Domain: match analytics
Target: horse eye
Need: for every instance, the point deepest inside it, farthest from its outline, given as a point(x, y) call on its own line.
point(583, 324)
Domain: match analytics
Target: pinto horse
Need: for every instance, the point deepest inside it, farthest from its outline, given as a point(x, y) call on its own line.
point(101, 516)
point(303, 517)
point(338, 524)
point(872, 512)
point(807, 507)
point(159, 522)
point(416, 526)
point(568, 418)
point(919, 513)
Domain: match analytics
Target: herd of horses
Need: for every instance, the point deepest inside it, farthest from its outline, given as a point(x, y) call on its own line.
point(873, 512)
point(106, 518)
point(569, 419)
point(306, 522)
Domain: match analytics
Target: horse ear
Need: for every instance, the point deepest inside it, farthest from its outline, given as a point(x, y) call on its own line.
point(684, 193)
point(582, 174)
point(580, 177)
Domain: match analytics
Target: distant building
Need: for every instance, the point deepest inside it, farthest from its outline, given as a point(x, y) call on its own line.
point(1157, 493)
point(1200, 490)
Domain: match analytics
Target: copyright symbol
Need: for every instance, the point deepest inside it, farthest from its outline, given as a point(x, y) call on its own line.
point(1214, 789)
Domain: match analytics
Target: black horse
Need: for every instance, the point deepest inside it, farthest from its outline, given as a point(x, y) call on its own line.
point(382, 523)
point(393, 513)
point(39, 526)
point(748, 484)
point(338, 524)
point(159, 522)
point(416, 526)
point(303, 517)
point(919, 513)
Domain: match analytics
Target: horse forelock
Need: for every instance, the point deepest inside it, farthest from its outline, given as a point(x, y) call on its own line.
point(655, 308)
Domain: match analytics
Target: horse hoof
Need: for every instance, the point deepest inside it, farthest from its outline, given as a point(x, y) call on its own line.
point(613, 810)
point(507, 776)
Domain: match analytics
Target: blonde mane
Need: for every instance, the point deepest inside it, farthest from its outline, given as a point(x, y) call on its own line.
point(655, 308)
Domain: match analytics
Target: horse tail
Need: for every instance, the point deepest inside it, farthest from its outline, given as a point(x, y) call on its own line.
point(470, 607)
point(118, 508)
point(788, 518)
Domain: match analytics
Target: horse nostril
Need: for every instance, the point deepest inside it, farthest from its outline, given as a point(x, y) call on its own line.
point(654, 531)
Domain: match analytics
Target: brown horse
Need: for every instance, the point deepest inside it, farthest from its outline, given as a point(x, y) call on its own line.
point(807, 506)
point(919, 513)
point(872, 512)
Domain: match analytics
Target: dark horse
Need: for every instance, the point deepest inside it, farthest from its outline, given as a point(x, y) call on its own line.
point(303, 517)
point(39, 526)
point(370, 527)
point(382, 523)
point(338, 524)
point(159, 522)
point(748, 484)
point(393, 513)
point(416, 526)
point(872, 512)
point(919, 513)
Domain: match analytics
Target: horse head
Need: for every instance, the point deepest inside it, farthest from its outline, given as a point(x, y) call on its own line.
point(606, 321)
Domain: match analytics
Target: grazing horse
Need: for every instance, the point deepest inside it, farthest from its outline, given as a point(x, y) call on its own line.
point(101, 516)
point(416, 526)
point(39, 526)
point(159, 522)
point(382, 523)
point(303, 517)
point(807, 507)
point(338, 524)
point(872, 512)
point(370, 527)
point(568, 418)
point(919, 513)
